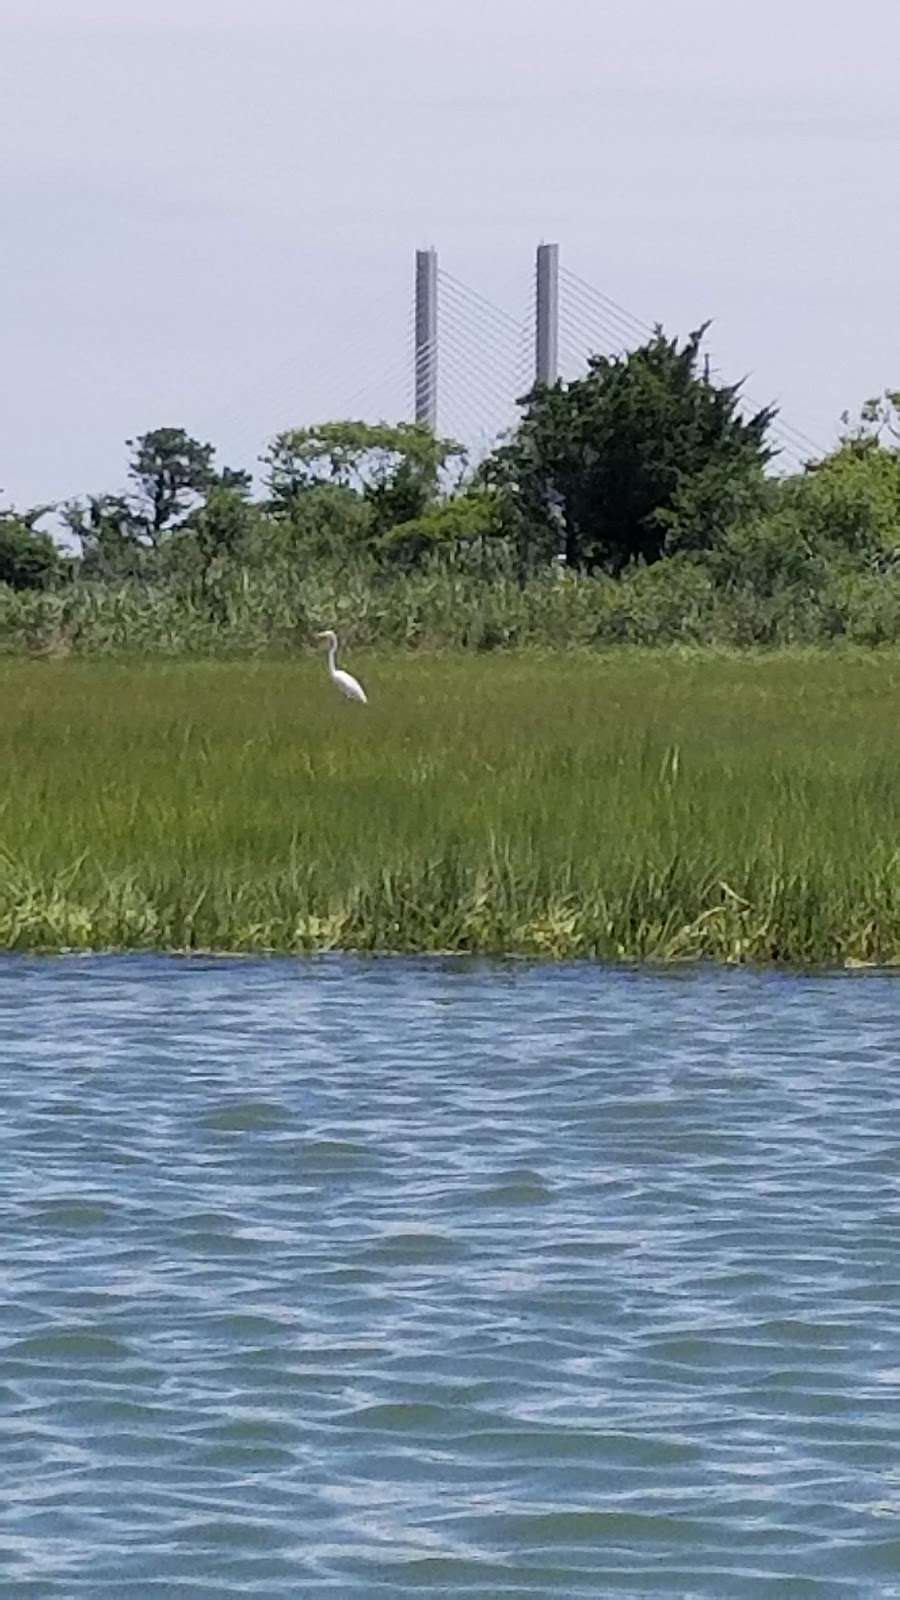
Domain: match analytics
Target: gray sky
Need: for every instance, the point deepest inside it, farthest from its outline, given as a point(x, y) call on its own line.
point(196, 192)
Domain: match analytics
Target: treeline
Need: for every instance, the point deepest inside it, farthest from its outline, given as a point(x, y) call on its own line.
point(638, 502)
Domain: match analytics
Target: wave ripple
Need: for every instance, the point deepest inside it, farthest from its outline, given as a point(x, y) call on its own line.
point(358, 1277)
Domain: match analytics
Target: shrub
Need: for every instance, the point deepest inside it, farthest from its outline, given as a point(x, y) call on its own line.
point(28, 558)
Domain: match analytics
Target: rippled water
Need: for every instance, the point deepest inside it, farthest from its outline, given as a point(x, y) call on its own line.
point(358, 1278)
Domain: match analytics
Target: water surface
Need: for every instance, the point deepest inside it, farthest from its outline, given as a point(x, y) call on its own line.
point(353, 1278)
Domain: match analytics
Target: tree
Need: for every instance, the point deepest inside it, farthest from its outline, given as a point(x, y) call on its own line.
point(707, 507)
point(223, 527)
point(319, 523)
point(849, 503)
point(29, 559)
point(393, 467)
point(838, 517)
point(172, 473)
point(466, 522)
point(174, 478)
point(878, 423)
point(601, 464)
point(110, 534)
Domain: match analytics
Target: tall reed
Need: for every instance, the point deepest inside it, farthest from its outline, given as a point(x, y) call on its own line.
point(273, 611)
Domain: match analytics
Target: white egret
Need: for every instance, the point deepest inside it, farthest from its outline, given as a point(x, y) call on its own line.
point(344, 681)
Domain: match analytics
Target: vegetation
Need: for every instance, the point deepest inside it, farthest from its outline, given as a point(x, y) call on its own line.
point(559, 800)
point(28, 558)
point(636, 505)
point(756, 590)
point(626, 454)
point(661, 806)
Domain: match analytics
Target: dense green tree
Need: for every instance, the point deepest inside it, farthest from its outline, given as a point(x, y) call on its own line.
point(110, 533)
point(394, 468)
point(706, 507)
point(464, 522)
point(600, 465)
point(29, 559)
point(325, 521)
point(849, 503)
point(174, 479)
point(172, 473)
point(798, 535)
point(224, 527)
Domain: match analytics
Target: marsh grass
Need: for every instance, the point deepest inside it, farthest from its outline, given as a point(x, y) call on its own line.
point(635, 805)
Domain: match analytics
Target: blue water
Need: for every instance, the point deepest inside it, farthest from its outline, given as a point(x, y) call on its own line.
point(359, 1278)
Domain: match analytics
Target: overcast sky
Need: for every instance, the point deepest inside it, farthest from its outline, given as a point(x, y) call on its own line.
point(210, 206)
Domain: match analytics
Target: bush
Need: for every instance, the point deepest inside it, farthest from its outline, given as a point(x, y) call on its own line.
point(467, 523)
point(848, 504)
point(28, 558)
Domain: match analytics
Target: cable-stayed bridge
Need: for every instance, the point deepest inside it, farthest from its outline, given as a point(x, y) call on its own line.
point(458, 360)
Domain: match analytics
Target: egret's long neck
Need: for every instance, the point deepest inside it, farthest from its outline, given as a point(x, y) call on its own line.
point(332, 657)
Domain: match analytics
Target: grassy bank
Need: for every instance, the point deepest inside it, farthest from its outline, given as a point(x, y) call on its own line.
point(636, 805)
